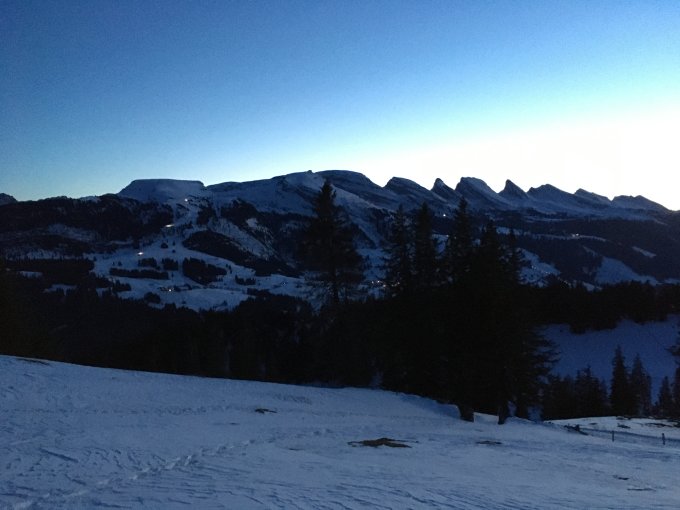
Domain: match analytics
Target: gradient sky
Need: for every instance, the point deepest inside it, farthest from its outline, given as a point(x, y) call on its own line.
point(579, 94)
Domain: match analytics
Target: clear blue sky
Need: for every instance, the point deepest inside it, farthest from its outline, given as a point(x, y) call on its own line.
point(96, 93)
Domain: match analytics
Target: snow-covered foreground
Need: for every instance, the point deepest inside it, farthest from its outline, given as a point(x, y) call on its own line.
point(78, 437)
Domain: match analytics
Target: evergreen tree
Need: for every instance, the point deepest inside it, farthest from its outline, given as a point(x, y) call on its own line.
point(459, 245)
point(621, 397)
point(22, 330)
point(675, 349)
point(492, 260)
point(505, 359)
point(424, 250)
point(675, 411)
point(591, 394)
point(330, 248)
point(514, 257)
point(665, 405)
point(398, 264)
point(559, 398)
point(641, 388)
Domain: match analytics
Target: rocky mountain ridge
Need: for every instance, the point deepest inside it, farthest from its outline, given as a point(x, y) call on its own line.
point(181, 242)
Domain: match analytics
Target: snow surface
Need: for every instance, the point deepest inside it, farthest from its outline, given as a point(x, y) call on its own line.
point(612, 271)
point(627, 429)
point(78, 437)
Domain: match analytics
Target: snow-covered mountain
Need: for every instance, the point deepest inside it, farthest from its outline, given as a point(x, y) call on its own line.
point(249, 232)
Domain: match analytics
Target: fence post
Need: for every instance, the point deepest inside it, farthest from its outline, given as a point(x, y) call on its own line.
point(663, 438)
point(612, 436)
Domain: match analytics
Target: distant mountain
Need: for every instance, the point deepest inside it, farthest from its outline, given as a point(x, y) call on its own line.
point(6, 199)
point(152, 236)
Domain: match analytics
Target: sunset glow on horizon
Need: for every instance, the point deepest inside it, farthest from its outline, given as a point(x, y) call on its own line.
point(577, 94)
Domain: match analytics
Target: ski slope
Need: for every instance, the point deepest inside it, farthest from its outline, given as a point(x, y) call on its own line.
point(78, 437)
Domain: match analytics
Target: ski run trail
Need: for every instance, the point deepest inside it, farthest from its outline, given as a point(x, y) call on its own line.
point(75, 437)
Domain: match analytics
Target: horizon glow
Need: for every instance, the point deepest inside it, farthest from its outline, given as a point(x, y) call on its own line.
point(577, 94)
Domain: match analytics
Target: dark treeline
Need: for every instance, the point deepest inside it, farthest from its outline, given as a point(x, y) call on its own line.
point(629, 393)
point(438, 343)
point(603, 308)
point(454, 323)
point(398, 343)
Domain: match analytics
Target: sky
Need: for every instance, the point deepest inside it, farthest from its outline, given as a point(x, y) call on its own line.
point(578, 94)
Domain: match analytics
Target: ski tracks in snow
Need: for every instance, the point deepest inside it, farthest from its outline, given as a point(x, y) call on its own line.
point(82, 438)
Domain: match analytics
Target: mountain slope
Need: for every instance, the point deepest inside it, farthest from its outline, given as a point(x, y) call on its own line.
point(250, 232)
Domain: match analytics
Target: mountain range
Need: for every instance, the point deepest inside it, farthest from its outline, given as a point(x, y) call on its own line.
point(211, 247)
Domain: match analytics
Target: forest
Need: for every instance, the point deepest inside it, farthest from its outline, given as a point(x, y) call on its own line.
point(454, 323)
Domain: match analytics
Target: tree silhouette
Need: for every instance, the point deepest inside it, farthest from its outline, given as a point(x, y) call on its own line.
point(398, 263)
point(665, 406)
point(424, 250)
point(459, 246)
point(675, 411)
point(641, 387)
point(621, 396)
point(330, 249)
point(501, 356)
point(591, 394)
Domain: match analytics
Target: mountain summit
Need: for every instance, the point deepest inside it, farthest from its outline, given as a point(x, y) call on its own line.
point(188, 244)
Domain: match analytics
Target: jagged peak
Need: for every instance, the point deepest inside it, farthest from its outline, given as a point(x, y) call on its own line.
point(468, 185)
point(401, 183)
point(443, 190)
point(512, 191)
point(474, 182)
point(480, 195)
point(594, 197)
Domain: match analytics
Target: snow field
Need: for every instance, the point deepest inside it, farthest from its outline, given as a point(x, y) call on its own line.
point(79, 437)
point(596, 348)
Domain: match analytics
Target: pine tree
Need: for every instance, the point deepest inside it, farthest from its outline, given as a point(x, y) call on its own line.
point(621, 397)
point(507, 358)
point(515, 259)
point(641, 388)
point(675, 349)
point(21, 333)
point(675, 411)
point(492, 261)
point(459, 245)
point(424, 250)
point(330, 248)
point(559, 398)
point(591, 394)
point(398, 263)
point(664, 403)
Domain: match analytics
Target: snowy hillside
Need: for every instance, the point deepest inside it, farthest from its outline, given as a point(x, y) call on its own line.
point(76, 437)
point(249, 233)
point(596, 349)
